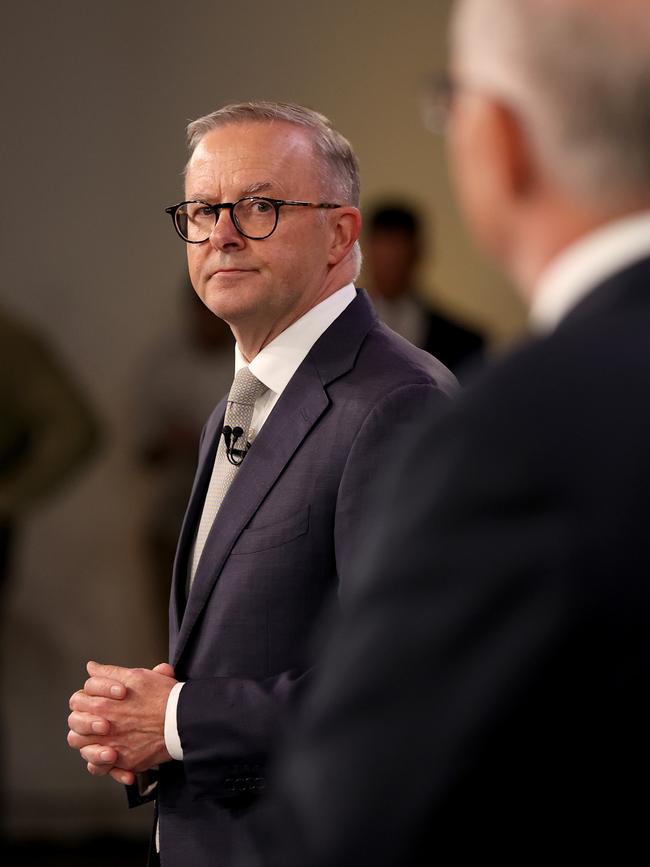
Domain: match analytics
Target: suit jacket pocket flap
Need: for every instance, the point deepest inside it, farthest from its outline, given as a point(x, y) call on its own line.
point(260, 538)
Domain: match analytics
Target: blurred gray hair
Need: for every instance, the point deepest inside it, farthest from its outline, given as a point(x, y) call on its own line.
point(578, 74)
point(339, 165)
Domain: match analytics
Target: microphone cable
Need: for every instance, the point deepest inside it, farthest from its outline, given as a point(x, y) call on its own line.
point(231, 435)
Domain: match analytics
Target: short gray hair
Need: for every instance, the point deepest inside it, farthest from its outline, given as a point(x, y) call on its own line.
point(340, 165)
point(579, 76)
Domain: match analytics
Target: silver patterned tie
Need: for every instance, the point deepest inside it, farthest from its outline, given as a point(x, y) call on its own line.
point(245, 390)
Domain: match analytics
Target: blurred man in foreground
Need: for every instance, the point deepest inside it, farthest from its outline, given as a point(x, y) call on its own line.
point(485, 695)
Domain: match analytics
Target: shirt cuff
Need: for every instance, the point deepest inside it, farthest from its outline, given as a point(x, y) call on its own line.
point(172, 738)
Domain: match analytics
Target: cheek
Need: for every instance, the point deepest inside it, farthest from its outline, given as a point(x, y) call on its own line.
point(282, 263)
point(194, 266)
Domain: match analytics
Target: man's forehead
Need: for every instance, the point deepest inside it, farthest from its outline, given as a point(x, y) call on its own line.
point(259, 155)
point(255, 140)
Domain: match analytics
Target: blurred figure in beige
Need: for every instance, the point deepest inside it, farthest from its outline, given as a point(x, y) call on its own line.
point(47, 427)
point(47, 431)
point(484, 697)
point(180, 379)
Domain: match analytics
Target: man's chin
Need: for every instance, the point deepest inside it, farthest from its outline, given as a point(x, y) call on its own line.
point(233, 308)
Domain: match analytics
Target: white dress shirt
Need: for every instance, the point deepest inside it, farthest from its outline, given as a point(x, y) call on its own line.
point(573, 274)
point(274, 366)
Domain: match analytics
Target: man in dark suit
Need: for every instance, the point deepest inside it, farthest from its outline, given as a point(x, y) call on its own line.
point(483, 697)
point(393, 249)
point(323, 396)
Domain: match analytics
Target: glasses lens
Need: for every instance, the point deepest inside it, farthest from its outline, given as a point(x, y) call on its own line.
point(195, 221)
point(436, 103)
point(255, 217)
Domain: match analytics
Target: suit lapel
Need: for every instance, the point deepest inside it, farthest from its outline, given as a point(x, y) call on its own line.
point(297, 411)
point(207, 454)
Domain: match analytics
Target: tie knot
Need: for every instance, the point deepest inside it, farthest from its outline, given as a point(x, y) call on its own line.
point(246, 388)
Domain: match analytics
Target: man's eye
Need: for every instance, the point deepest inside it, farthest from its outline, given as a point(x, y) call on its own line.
point(260, 206)
point(198, 212)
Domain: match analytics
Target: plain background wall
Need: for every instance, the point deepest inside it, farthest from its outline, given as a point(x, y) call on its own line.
point(96, 98)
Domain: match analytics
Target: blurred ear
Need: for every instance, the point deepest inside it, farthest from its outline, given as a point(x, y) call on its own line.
point(513, 155)
point(346, 228)
point(493, 167)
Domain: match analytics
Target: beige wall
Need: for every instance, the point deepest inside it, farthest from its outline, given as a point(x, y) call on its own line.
point(96, 98)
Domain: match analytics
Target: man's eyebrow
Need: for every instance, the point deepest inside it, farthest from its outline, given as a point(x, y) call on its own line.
point(250, 190)
point(259, 187)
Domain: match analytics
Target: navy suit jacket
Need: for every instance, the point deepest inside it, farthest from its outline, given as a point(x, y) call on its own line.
point(280, 548)
point(485, 695)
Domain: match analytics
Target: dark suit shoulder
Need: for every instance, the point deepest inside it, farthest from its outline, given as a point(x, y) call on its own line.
point(363, 351)
point(592, 360)
point(566, 412)
point(395, 362)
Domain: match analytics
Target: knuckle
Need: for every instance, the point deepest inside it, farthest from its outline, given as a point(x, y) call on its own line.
point(90, 755)
point(98, 705)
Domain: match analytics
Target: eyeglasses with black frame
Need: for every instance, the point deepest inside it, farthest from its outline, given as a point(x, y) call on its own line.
point(254, 217)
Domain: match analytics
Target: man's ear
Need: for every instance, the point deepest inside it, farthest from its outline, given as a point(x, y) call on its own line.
point(513, 157)
point(494, 168)
point(346, 229)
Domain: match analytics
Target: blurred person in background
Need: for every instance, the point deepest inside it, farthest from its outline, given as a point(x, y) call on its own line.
point(180, 380)
point(393, 250)
point(321, 393)
point(48, 430)
point(484, 695)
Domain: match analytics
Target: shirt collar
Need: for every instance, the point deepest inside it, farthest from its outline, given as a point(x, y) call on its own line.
point(585, 264)
point(276, 363)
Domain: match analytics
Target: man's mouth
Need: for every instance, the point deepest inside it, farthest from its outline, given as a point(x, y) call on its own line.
point(230, 272)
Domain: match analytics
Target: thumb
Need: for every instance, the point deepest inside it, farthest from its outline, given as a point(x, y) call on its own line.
point(165, 668)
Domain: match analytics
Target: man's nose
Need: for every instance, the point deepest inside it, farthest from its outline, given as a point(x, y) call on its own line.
point(224, 234)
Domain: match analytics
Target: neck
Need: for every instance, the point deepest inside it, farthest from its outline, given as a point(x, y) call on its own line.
point(550, 232)
point(253, 335)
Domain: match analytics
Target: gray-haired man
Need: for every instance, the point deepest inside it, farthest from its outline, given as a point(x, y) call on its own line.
point(322, 398)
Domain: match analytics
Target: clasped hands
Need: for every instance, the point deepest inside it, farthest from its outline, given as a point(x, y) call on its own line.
point(117, 721)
